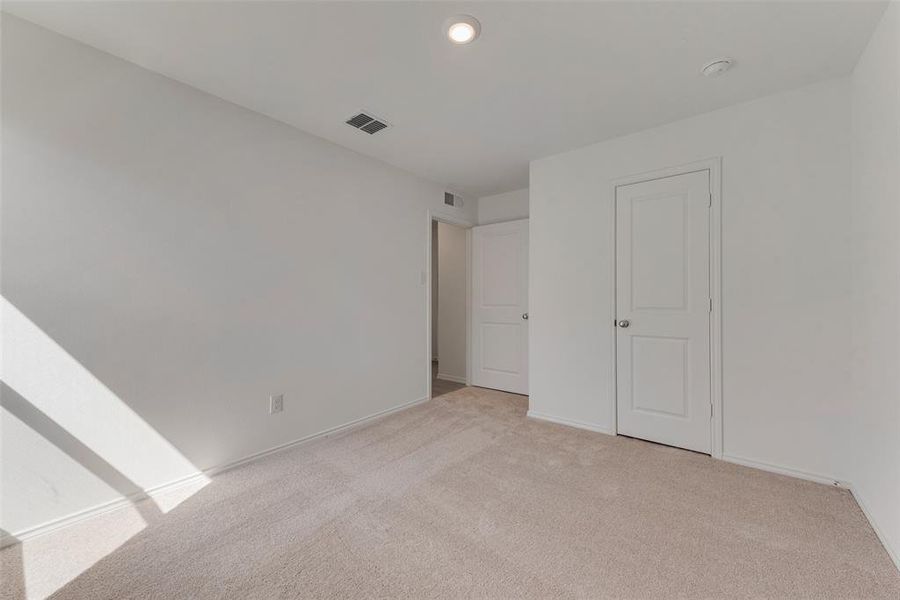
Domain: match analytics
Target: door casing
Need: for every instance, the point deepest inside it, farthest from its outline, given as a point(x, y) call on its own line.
point(714, 166)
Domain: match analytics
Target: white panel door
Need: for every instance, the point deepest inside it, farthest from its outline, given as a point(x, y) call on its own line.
point(663, 311)
point(500, 306)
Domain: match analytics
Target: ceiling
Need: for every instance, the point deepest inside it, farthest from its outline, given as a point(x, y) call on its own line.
point(544, 77)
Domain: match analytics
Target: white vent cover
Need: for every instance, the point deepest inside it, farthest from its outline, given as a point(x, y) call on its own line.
point(366, 122)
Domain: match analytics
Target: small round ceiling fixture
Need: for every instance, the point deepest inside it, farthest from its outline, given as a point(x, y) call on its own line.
point(463, 29)
point(717, 67)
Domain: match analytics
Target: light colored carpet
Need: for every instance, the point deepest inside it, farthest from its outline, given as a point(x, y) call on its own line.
point(463, 497)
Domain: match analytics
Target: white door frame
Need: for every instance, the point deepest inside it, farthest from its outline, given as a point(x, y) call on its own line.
point(714, 166)
point(467, 225)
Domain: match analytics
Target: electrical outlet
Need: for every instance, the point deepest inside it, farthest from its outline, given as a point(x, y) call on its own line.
point(276, 404)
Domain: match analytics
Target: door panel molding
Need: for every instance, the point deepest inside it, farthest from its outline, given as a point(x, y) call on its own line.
point(714, 167)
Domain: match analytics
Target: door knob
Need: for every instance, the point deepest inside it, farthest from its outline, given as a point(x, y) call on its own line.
point(624, 323)
point(525, 316)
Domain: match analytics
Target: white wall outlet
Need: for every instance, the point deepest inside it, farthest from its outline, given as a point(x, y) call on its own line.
point(276, 404)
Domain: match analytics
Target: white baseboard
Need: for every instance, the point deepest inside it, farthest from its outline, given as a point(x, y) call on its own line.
point(893, 553)
point(570, 422)
point(124, 501)
point(453, 378)
point(817, 478)
point(97, 510)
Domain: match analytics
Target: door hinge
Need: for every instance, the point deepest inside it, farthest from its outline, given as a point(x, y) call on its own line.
point(710, 410)
point(710, 200)
point(710, 305)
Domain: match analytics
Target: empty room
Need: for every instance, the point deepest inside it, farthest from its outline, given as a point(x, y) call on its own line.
point(493, 300)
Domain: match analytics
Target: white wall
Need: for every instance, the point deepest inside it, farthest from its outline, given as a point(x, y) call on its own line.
point(452, 300)
point(873, 454)
point(508, 206)
point(193, 257)
point(786, 297)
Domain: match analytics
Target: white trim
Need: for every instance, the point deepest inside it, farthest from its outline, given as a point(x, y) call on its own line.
point(100, 509)
point(95, 511)
point(714, 166)
point(468, 379)
point(894, 554)
point(453, 378)
point(613, 292)
point(716, 286)
point(442, 218)
point(570, 422)
point(779, 470)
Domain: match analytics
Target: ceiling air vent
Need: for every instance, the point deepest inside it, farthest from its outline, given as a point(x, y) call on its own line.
point(373, 127)
point(367, 123)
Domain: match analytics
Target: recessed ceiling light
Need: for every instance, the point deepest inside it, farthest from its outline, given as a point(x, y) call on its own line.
point(463, 29)
point(717, 67)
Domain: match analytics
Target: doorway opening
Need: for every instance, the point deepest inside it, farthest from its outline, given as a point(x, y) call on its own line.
point(449, 291)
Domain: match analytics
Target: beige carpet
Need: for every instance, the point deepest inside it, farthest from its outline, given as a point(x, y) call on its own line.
point(463, 497)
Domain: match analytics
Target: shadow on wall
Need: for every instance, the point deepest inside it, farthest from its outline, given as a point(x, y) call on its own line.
point(49, 430)
point(69, 444)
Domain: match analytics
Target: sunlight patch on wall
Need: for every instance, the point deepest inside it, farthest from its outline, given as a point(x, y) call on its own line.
point(56, 384)
point(39, 482)
point(73, 454)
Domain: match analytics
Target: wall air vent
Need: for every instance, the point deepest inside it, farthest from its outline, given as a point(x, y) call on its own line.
point(452, 200)
point(367, 123)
